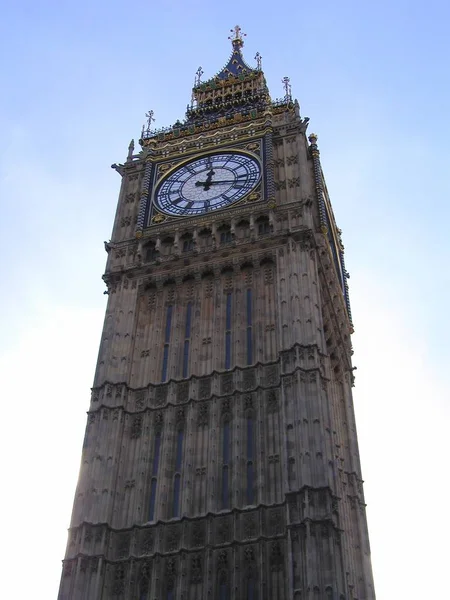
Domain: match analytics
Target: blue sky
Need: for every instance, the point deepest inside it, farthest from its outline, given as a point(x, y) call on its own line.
point(77, 79)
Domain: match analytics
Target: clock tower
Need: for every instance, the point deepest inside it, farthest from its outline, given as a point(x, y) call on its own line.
point(220, 460)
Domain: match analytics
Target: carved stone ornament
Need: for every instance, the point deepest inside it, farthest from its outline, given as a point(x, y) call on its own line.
point(67, 571)
point(170, 573)
point(250, 528)
point(202, 417)
point(119, 580)
point(136, 428)
point(222, 531)
point(183, 392)
point(198, 534)
point(226, 407)
point(249, 380)
point(227, 383)
point(205, 388)
point(160, 395)
point(173, 538)
point(275, 521)
point(276, 557)
point(272, 401)
point(196, 569)
point(272, 375)
point(148, 543)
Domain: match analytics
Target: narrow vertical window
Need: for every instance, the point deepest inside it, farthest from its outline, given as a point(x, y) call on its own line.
point(170, 595)
point(156, 452)
point(249, 328)
point(166, 342)
point(225, 465)
point(228, 333)
point(187, 338)
point(151, 511)
point(251, 589)
point(250, 466)
point(177, 477)
point(223, 591)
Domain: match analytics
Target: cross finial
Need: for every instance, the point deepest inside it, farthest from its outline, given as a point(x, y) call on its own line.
point(287, 89)
point(198, 76)
point(237, 40)
point(150, 118)
point(258, 59)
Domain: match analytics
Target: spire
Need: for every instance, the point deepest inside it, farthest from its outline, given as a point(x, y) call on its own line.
point(237, 39)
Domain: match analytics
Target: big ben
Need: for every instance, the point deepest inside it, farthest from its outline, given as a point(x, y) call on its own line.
point(220, 460)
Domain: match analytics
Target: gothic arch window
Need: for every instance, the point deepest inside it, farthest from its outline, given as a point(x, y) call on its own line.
point(250, 457)
point(249, 330)
point(154, 479)
point(226, 459)
point(228, 307)
point(187, 339)
point(251, 588)
point(263, 225)
point(243, 229)
point(187, 242)
point(205, 237)
point(177, 476)
point(167, 331)
point(224, 232)
point(167, 246)
point(150, 252)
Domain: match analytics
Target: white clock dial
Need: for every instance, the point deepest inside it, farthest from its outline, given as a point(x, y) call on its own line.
point(209, 183)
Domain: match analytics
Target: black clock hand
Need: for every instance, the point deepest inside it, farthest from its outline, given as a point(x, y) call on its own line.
point(218, 182)
point(206, 184)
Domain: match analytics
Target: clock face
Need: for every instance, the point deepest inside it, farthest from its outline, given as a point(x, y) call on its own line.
point(209, 183)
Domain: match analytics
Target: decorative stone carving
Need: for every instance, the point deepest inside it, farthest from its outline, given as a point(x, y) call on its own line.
point(67, 571)
point(159, 419)
point(205, 388)
point(248, 402)
point(136, 428)
point(222, 531)
point(249, 380)
point(196, 569)
point(123, 546)
point(268, 275)
point(183, 392)
point(170, 573)
point(198, 534)
point(275, 521)
point(250, 527)
point(140, 400)
point(202, 416)
point(226, 407)
point(161, 395)
point(272, 375)
point(227, 383)
point(148, 543)
point(119, 580)
point(276, 557)
point(271, 401)
point(172, 539)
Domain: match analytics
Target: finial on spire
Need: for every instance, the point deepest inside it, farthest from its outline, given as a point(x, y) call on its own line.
point(130, 150)
point(198, 77)
point(150, 118)
point(237, 39)
point(258, 59)
point(287, 89)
